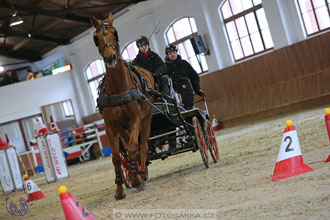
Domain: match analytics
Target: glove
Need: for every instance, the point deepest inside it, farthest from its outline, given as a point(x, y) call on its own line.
point(200, 93)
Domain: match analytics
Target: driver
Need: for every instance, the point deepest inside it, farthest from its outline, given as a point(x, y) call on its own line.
point(151, 61)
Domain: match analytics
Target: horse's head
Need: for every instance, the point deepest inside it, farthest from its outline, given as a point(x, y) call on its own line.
point(106, 39)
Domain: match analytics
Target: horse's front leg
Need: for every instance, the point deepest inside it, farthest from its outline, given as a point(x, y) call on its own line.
point(144, 149)
point(116, 160)
point(133, 153)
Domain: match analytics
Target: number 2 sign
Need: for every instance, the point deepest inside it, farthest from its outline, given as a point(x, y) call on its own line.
point(290, 146)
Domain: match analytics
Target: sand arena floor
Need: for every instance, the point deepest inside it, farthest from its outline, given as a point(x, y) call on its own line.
point(238, 186)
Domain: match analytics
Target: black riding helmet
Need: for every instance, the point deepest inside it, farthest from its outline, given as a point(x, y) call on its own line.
point(142, 40)
point(170, 47)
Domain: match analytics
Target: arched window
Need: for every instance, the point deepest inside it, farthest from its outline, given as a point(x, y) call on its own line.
point(130, 51)
point(247, 27)
point(94, 72)
point(180, 33)
point(315, 15)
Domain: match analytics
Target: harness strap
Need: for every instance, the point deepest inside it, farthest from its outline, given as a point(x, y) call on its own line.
point(132, 165)
point(118, 100)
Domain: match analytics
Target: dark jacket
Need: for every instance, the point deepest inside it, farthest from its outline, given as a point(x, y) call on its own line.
point(181, 72)
point(152, 63)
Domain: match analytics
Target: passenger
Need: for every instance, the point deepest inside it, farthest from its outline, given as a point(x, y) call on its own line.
point(151, 61)
point(181, 72)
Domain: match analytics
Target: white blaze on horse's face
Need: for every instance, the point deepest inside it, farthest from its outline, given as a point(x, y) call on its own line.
point(106, 39)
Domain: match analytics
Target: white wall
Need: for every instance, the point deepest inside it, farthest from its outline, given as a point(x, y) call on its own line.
point(24, 99)
point(291, 21)
point(219, 44)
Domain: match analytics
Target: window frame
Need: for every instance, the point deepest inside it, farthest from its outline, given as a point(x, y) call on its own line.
point(127, 45)
point(327, 3)
point(95, 78)
point(67, 109)
point(242, 14)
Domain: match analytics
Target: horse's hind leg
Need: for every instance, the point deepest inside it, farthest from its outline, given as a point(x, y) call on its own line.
point(116, 160)
point(144, 150)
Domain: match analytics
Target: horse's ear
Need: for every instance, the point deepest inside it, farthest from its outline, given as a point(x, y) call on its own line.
point(111, 18)
point(94, 21)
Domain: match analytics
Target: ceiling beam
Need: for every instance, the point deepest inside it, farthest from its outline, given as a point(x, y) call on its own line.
point(27, 11)
point(22, 55)
point(41, 3)
point(36, 36)
point(20, 44)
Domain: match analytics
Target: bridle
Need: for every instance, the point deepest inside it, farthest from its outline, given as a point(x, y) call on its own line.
point(104, 27)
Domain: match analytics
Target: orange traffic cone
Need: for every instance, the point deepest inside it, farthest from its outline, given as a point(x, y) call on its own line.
point(215, 124)
point(327, 123)
point(53, 125)
point(41, 128)
point(33, 190)
point(289, 160)
point(72, 209)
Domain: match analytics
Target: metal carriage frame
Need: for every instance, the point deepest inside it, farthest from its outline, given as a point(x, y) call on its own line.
point(175, 130)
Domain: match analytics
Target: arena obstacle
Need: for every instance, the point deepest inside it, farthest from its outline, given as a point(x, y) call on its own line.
point(90, 135)
point(51, 154)
point(10, 173)
point(33, 191)
point(327, 123)
point(289, 161)
point(73, 210)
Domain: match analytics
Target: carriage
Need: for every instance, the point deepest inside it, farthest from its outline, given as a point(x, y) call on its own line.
point(175, 130)
point(131, 115)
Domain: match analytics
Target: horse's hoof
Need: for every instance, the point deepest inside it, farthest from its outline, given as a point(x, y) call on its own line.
point(142, 187)
point(119, 197)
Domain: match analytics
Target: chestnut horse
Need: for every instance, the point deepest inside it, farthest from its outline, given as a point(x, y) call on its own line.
point(126, 112)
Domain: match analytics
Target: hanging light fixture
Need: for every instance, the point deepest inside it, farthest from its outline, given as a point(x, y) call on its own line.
point(14, 20)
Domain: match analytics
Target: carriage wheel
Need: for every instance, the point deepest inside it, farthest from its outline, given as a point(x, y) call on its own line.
point(124, 171)
point(201, 142)
point(211, 141)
